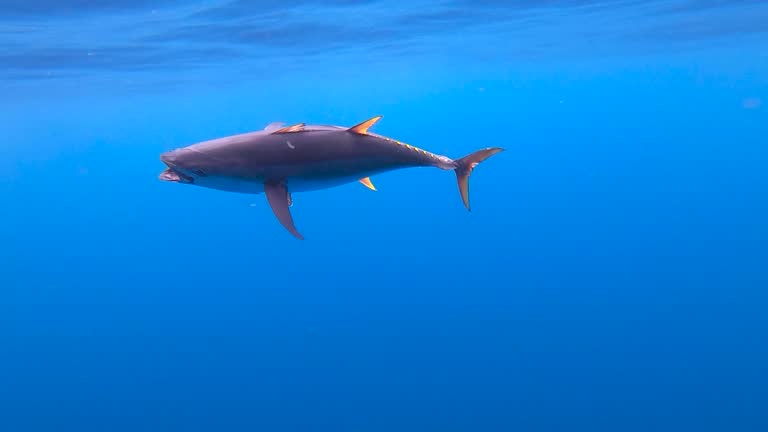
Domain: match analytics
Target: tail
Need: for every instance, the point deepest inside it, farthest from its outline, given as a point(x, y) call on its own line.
point(464, 167)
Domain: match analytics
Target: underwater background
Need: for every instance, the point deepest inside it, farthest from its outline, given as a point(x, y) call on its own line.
point(612, 274)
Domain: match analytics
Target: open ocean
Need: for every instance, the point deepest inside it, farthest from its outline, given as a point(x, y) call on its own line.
point(612, 275)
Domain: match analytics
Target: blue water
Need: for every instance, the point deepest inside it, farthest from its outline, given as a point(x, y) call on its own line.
point(612, 275)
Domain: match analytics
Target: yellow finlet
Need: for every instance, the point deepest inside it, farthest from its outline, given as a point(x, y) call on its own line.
point(367, 183)
point(363, 127)
point(298, 127)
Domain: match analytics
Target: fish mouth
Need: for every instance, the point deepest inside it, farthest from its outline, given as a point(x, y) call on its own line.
point(171, 175)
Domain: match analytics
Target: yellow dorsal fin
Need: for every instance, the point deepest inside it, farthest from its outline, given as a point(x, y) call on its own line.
point(362, 128)
point(367, 182)
point(298, 127)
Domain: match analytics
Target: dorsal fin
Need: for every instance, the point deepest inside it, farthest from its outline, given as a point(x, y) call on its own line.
point(362, 128)
point(274, 126)
point(368, 183)
point(298, 127)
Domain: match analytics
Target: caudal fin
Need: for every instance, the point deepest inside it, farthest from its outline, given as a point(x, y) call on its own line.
point(464, 167)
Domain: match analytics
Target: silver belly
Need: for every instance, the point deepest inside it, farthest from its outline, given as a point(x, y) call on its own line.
point(295, 184)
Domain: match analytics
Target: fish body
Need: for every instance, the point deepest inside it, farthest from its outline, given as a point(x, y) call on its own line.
point(282, 159)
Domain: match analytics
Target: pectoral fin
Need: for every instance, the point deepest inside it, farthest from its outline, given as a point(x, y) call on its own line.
point(298, 127)
point(279, 199)
point(274, 126)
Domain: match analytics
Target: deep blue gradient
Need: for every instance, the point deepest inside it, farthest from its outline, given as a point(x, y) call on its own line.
point(612, 276)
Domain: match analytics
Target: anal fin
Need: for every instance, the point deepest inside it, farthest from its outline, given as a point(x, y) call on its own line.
point(279, 199)
point(368, 183)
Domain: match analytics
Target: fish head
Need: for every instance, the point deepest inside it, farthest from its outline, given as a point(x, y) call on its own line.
point(184, 165)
